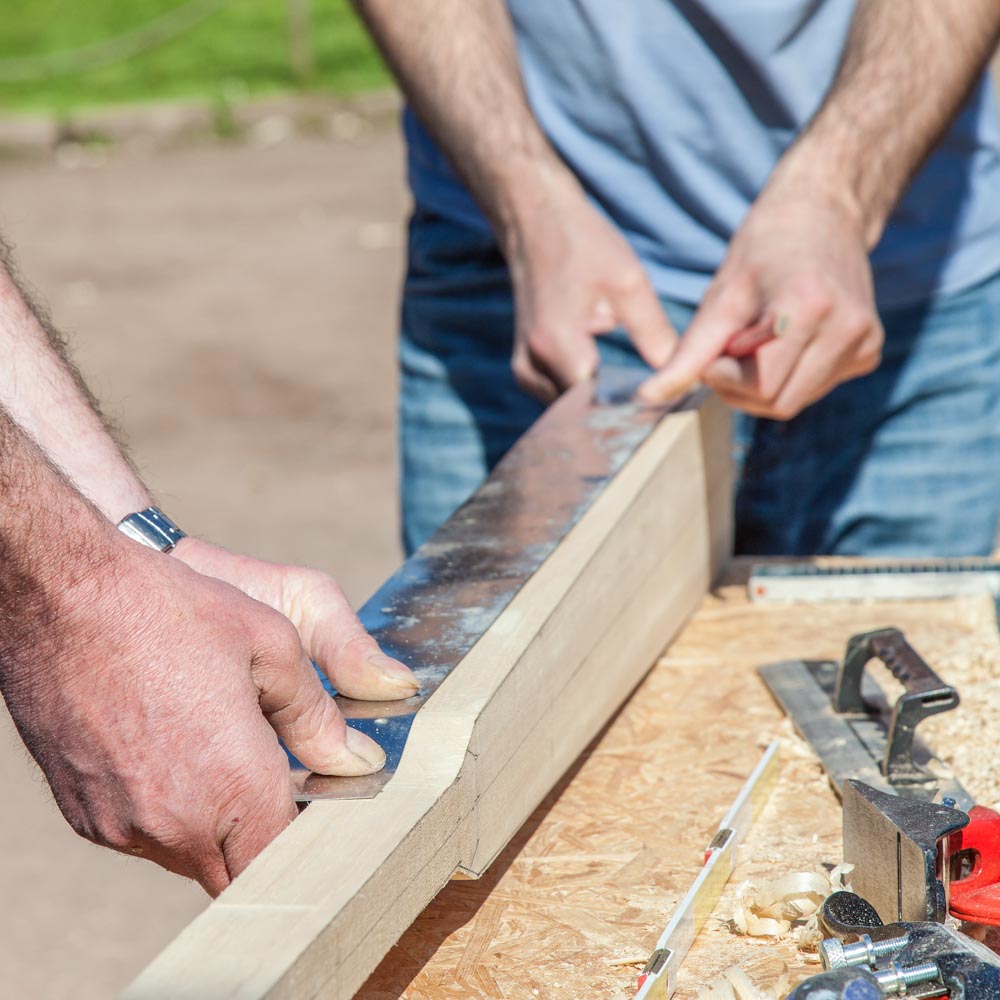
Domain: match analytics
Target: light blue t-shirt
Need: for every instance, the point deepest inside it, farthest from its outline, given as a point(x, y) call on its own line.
point(673, 114)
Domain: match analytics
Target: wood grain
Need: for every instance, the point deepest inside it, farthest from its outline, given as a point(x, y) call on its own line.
point(317, 911)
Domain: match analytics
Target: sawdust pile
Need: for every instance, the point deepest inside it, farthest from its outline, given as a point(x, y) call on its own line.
point(967, 739)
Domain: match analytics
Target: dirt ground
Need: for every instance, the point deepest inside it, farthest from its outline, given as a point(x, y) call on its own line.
point(235, 307)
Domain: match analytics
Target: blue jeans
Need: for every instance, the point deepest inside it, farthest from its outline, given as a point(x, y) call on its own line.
point(902, 462)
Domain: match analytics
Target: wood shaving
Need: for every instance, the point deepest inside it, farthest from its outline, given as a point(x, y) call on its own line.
point(768, 909)
point(735, 984)
point(809, 935)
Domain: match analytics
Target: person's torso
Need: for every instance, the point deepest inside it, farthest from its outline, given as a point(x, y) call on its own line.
point(674, 112)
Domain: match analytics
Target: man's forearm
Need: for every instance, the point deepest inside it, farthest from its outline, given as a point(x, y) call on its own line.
point(51, 540)
point(456, 60)
point(906, 71)
point(42, 391)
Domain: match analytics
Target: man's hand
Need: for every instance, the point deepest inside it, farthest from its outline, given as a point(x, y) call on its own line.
point(800, 263)
point(330, 631)
point(800, 260)
point(152, 693)
point(151, 696)
point(575, 276)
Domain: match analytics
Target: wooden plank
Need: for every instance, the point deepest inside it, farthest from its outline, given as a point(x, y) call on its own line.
point(317, 911)
point(574, 905)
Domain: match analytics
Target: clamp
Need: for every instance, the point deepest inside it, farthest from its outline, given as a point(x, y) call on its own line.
point(975, 869)
point(917, 960)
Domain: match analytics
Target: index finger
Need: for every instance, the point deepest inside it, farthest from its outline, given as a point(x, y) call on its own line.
point(706, 338)
point(261, 813)
point(641, 314)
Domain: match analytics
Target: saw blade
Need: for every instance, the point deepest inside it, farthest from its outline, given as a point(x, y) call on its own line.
point(447, 594)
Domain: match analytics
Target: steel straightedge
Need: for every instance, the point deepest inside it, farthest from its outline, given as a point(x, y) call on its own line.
point(434, 609)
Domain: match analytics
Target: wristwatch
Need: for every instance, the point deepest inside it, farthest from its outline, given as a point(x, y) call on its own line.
point(152, 528)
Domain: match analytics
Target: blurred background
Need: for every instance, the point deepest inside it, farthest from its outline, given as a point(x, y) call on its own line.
point(58, 56)
point(209, 196)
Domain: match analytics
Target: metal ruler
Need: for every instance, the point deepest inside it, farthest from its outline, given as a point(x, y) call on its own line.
point(659, 979)
point(795, 583)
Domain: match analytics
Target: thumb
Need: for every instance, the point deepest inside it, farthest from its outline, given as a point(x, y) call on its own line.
point(705, 340)
point(563, 353)
point(304, 715)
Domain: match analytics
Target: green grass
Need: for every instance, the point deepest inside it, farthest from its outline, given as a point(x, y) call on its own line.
point(242, 49)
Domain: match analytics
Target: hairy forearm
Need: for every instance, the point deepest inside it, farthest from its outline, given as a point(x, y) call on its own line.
point(53, 543)
point(906, 71)
point(43, 392)
point(456, 61)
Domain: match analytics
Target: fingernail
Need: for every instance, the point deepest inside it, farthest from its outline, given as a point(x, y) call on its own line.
point(366, 748)
point(655, 395)
point(665, 393)
point(395, 672)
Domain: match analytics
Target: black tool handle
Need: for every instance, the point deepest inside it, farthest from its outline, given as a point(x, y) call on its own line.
point(925, 695)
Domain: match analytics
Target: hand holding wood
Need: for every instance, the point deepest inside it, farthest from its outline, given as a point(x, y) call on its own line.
point(153, 698)
point(575, 277)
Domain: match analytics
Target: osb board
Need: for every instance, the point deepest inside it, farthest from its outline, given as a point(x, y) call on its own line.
point(574, 905)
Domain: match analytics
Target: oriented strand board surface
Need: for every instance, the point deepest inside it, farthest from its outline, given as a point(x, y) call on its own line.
point(574, 905)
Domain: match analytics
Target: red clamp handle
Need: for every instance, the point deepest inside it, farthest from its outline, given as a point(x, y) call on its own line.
point(975, 860)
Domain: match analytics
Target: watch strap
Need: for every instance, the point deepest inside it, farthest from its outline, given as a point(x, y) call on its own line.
point(152, 528)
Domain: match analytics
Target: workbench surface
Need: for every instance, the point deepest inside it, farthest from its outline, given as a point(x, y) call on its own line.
point(575, 904)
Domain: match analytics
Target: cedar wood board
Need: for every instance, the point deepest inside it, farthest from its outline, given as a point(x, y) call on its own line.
point(318, 910)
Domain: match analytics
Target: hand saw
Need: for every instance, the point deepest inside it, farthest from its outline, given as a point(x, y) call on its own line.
point(432, 611)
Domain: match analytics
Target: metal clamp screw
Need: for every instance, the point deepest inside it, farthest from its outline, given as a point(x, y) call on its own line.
point(896, 979)
point(835, 955)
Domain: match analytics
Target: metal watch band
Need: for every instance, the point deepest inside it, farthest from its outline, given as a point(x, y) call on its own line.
point(151, 527)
